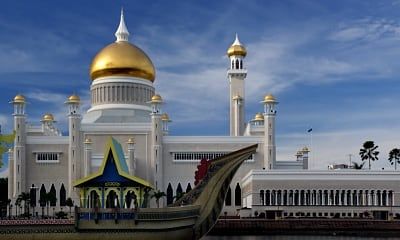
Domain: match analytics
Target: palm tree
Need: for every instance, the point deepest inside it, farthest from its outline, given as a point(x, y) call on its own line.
point(358, 166)
point(394, 157)
point(17, 205)
point(50, 200)
point(158, 195)
point(368, 152)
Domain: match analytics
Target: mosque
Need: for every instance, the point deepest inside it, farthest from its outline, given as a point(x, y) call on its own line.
point(126, 107)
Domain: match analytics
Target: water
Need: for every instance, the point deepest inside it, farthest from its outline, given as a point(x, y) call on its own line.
point(293, 237)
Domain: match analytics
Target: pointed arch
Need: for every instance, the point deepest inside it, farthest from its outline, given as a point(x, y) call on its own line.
point(237, 64)
point(228, 198)
point(233, 64)
point(179, 189)
point(238, 195)
point(32, 194)
point(42, 196)
point(188, 188)
point(53, 193)
point(241, 64)
point(63, 196)
point(170, 194)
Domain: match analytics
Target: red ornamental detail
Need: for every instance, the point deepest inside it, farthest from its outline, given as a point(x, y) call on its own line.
point(201, 170)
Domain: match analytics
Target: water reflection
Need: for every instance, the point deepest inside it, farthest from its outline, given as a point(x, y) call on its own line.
point(292, 237)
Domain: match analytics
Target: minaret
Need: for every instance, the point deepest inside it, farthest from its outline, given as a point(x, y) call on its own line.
point(88, 156)
point(156, 141)
point(165, 121)
point(236, 75)
point(131, 156)
point(74, 122)
point(269, 131)
point(19, 146)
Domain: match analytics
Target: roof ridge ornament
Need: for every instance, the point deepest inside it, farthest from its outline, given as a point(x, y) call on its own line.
point(122, 33)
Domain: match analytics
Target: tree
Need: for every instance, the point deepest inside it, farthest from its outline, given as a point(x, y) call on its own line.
point(5, 143)
point(50, 199)
point(368, 152)
point(394, 157)
point(70, 204)
point(158, 195)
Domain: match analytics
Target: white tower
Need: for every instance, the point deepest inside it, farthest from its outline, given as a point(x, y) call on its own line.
point(74, 122)
point(88, 156)
point(165, 121)
point(131, 156)
point(156, 141)
point(269, 131)
point(19, 174)
point(236, 75)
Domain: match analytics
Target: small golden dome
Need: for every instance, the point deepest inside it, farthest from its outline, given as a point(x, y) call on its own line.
point(165, 117)
point(73, 99)
point(131, 140)
point(156, 99)
point(48, 117)
point(259, 117)
point(88, 141)
point(269, 98)
point(19, 99)
point(236, 48)
point(305, 149)
point(122, 59)
point(237, 97)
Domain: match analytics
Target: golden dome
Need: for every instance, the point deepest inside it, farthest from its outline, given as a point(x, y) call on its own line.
point(122, 59)
point(236, 48)
point(259, 117)
point(131, 140)
point(48, 117)
point(156, 99)
point(88, 141)
point(73, 99)
point(305, 149)
point(165, 117)
point(19, 99)
point(269, 98)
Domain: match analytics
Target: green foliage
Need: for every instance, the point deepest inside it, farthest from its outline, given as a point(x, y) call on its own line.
point(158, 195)
point(394, 157)
point(6, 142)
point(368, 152)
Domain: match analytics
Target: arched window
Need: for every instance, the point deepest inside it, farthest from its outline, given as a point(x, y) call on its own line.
point(262, 197)
point(179, 190)
point(53, 194)
point(233, 64)
point(188, 188)
point(228, 198)
point(112, 200)
point(62, 196)
point(238, 195)
point(170, 194)
point(237, 63)
point(42, 197)
point(241, 64)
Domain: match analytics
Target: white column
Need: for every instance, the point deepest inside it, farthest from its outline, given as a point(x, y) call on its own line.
point(270, 198)
point(351, 198)
point(345, 198)
point(387, 198)
point(88, 156)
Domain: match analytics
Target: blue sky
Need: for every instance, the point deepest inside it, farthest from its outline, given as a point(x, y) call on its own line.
point(333, 65)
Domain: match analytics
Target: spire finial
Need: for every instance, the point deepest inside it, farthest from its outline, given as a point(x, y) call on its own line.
point(237, 42)
point(122, 33)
